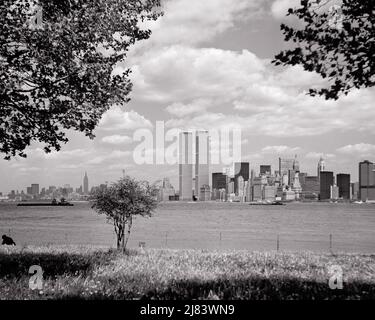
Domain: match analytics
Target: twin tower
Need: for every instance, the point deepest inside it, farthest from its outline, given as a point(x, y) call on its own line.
point(200, 142)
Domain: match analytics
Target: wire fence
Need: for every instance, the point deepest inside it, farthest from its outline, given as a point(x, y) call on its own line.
point(214, 240)
point(278, 242)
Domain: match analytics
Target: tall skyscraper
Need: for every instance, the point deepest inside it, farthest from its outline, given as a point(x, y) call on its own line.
point(85, 184)
point(285, 165)
point(219, 180)
point(326, 181)
point(366, 181)
point(265, 169)
point(321, 166)
point(295, 164)
point(241, 169)
point(310, 187)
point(35, 189)
point(202, 160)
point(343, 183)
point(185, 166)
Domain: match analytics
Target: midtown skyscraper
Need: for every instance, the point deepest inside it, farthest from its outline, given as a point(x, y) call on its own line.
point(202, 158)
point(366, 180)
point(185, 168)
point(85, 184)
point(326, 182)
point(321, 166)
point(343, 183)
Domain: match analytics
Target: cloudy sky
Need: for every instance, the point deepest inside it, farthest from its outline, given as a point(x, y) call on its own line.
point(207, 65)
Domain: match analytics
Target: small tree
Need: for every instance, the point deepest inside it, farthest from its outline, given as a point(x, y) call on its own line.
point(122, 201)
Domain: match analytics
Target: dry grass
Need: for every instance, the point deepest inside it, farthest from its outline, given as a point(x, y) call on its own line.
point(97, 273)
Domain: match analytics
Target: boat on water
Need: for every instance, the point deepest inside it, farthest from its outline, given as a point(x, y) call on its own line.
point(54, 202)
point(269, 203)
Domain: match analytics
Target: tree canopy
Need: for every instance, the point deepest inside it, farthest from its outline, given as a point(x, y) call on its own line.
point(337, 41)
point(57, 74)
point(122, 201)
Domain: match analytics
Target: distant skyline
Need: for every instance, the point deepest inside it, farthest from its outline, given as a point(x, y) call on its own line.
point(207, 71)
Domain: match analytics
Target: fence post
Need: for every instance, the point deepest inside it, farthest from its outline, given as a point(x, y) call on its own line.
point(330, 242)
point(278, 243)
point(220, 239)
point(166, 238)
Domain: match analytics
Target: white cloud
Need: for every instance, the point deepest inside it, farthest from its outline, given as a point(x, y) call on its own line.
point(39, 153)
point(360, 149)
point(118, 119)
point(182, 110)
point(280, 8)
point(280, 150)
point(318, 155)
point(117, 139)
point(241, 90)
point(191, 22)
point(114, 155)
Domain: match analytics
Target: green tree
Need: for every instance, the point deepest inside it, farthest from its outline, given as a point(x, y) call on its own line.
point(337, 41)
point(122, 201)
point(57, 59)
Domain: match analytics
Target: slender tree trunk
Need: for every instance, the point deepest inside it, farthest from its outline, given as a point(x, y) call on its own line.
point(123, 245)
point(130, 221)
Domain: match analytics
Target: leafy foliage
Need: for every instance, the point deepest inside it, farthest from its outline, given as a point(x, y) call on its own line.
point(57, 74)
point(338, 42)
point(122, 201)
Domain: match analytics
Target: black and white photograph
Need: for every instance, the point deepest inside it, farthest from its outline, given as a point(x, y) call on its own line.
point(199, 152)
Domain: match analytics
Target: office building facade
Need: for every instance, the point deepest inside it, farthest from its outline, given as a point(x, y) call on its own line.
point(265, 169)
point(241, 169)
point(202, 160)
point(343, 183)
point(85, 184)
point(185, 172)
point(366, 181)
point(326, 181)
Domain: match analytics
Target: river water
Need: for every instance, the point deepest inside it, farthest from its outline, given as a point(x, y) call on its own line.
point(298, 226)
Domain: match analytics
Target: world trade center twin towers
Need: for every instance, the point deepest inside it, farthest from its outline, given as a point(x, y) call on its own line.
point(201, 163)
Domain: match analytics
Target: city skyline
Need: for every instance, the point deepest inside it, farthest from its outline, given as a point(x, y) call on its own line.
point(240, 170)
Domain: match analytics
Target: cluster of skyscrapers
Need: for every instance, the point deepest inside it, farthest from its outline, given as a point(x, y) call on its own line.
point(240, 184)
point(52, 192)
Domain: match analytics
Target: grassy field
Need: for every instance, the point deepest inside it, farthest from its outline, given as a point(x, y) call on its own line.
point(72, 272)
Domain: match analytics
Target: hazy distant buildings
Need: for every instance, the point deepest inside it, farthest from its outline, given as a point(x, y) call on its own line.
point(285, 165)
point(310, 187)
point(366, 181)
point(288, 169)
point(166, 191)
point(269, 193)
point(241, 169)
point(321, 166)
point(35, 189)
point(205, 193)
point(85, 184)
point(202, 158)
point(219, 180)
point(296, 186)
point(326, 181)
point(343, 183)
point(355, 190)
point(334, 192)
point(185, 166)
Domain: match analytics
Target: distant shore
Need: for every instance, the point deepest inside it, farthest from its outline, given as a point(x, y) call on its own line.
point(86, 272)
